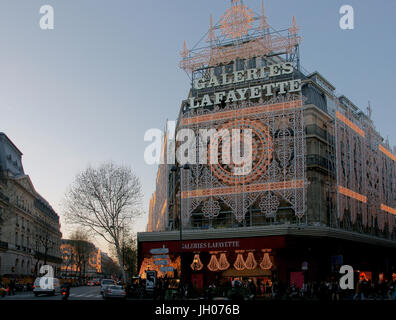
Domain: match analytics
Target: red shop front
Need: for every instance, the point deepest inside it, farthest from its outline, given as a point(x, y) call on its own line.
point(213, 261)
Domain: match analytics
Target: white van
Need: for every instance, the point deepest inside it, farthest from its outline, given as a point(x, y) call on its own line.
point(53, 291)
point(105, 283)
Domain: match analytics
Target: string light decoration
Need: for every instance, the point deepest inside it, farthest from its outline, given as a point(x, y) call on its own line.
point(213, 263)
point(253, 35)
point(250, 262)
point(223, 263)
point(196, 265)
point(266, 263)
point(148, 264)
point(237, 20)
point(239, 263)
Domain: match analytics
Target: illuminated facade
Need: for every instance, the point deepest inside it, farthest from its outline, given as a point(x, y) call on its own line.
point(321, 188)
point(80, 260)
point(158, 206)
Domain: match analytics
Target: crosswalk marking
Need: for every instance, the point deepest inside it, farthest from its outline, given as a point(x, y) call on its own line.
point(30, 295)
point(85, 295)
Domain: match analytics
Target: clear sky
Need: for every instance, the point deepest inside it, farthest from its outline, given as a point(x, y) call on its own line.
point(87, 91)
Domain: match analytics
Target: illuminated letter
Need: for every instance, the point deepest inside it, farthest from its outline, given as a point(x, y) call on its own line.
point(206, 101)
point(252, 74)
point(255, 92)
point(275, 70)
point(224, 82)
point(281, 86)
point(231, 96)
point(268, 88)
point(199, 84)
point(219, 96)
point(239, 76)
point(295, 85)
point(242, 93)
point(192, 106)
point(213, 82)
point(287, 68)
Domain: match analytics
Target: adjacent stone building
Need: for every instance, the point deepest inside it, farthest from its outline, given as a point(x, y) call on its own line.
point(29, 227)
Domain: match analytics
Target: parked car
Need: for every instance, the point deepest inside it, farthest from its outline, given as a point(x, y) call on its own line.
point(90, 283)
point(38, 289)
point(114, 291)
point(105, 283)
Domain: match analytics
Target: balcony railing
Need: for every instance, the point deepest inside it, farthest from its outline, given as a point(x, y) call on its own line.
point(313, 129)
point(316, 160)
point(3, 245)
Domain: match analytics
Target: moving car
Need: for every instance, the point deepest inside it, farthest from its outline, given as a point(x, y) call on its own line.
point(114, 291)
point(52, 290)
point(105, 283)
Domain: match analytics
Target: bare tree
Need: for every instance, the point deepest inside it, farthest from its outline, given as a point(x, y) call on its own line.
point(42, 245)
point(82, 249)
point(129, 251)
point(104, 200)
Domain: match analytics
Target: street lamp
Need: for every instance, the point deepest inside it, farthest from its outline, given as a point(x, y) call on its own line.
point(174, 169)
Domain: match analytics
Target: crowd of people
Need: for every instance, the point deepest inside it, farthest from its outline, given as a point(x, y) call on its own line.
point(318, 290)
point(12, 286)
point(247, 289)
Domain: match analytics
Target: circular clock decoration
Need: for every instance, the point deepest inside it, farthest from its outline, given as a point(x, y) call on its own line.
point(262, 149)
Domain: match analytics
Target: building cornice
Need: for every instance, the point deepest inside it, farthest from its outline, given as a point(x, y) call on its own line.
point(263, 231)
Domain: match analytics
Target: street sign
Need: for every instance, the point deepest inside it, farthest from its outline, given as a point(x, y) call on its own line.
point(161, 262)
point(159, 250)
point(163, 256)
point(166, 269)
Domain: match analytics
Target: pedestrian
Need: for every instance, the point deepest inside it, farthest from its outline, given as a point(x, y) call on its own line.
point(252, 289)
point(359, 290)
point(335, 290)
point(11, 287)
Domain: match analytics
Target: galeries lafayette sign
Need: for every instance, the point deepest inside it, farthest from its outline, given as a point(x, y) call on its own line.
point(218, 244)
point(211, 245)
point(247, 93)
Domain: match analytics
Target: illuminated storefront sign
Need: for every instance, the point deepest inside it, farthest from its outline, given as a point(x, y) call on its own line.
point(206, 245)
point(211, 245)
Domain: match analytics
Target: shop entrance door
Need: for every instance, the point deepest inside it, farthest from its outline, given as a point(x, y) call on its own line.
point(197, 280)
